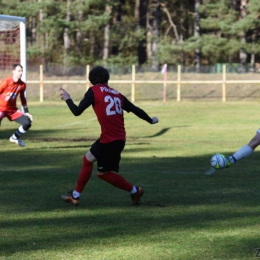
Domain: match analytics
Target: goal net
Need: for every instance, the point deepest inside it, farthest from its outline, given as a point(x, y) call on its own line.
point(12, 43)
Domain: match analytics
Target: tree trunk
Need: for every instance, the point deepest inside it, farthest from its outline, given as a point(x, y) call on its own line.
point(141, 15)
point(235, 5)
point(243, 53)
point(106, 37)
point(137, 10)
point(117, 18)
point(148, 36)
point(66, 39)
point(156, 35)
point(197, 53)
point(92, 44)
point(32, 30)
point(79, 37)
point(252, 60)
point(42, 42)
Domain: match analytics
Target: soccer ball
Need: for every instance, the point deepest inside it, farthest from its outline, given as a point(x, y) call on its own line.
point(218, 161)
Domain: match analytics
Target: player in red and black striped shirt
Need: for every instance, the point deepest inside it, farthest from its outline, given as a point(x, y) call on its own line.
point(108, 105)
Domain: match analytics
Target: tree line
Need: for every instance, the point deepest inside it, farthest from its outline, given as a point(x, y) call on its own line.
point(142, 32)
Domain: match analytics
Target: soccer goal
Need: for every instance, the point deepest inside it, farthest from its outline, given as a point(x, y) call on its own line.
point(12, 42)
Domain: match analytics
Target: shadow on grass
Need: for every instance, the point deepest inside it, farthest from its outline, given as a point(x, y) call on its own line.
point(177, 180)
point(59, 232)
point(39, 136)
point(32, 182)
point(5, 133)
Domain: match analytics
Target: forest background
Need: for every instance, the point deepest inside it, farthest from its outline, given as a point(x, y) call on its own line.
point(147, 33)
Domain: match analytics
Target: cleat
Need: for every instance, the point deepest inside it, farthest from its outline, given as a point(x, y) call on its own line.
point(17, 141)
point(70, 199)
point(137, 196)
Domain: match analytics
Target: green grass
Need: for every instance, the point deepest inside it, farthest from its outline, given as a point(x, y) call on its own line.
point(184, 214)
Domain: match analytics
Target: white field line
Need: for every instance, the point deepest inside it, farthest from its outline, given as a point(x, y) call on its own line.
point(78, 122)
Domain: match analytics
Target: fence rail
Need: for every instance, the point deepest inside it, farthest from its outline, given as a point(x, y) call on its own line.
point(179, 82)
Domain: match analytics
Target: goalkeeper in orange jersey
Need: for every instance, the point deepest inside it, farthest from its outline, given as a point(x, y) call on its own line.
point(10, 88)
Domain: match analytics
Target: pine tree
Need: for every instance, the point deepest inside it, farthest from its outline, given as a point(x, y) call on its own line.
point(196, 35)
point(226, 29)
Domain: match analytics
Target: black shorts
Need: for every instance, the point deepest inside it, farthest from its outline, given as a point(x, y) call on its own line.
point(108, 155)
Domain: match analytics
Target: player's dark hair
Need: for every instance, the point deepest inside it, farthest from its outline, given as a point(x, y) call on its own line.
point(17, 65)
point(98, 75)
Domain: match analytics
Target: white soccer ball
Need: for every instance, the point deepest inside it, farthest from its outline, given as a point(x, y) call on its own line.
point(218, 161)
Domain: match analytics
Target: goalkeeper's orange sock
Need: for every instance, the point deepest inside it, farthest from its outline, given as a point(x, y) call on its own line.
point(116, 180)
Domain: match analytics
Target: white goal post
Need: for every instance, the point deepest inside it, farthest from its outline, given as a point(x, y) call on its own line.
point(8, 23)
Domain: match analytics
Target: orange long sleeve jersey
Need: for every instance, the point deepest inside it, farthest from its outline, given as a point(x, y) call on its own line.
point(9, 91)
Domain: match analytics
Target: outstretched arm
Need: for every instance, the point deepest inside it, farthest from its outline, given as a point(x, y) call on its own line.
point(84, 103)
point(130, 107)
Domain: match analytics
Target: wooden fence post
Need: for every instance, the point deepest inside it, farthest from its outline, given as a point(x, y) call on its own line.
point(41, 83)
point(133, 84)
point(224, 77)
point(87, 81)
point(179, 84)
point(164, 72)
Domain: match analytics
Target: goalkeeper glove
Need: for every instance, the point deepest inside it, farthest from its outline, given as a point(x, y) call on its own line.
point(29, 116)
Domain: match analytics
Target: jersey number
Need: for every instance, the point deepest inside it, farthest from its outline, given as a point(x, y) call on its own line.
point(114, 105)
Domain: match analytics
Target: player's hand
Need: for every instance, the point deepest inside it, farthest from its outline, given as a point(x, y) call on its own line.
point(64, 94)
point(155, 120)
point(29, 116)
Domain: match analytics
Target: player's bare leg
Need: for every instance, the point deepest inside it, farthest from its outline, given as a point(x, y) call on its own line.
point(246, 150)
point(243, 152)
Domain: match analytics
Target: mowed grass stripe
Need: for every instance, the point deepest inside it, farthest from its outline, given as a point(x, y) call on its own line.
point(184, 214)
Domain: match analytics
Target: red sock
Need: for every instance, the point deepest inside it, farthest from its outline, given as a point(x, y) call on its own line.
point(84, 174)
point(116, 180)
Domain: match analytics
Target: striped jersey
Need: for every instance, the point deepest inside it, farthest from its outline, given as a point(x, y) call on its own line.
point(9, 91)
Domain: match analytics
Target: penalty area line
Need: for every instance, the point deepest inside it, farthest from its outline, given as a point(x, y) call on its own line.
point(78, 122)
point(211, 171)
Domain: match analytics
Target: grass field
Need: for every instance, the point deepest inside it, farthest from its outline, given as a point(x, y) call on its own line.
point(184, 214)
